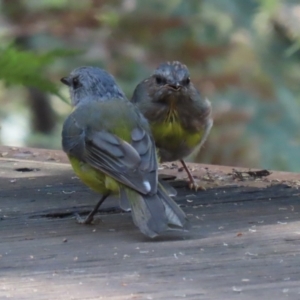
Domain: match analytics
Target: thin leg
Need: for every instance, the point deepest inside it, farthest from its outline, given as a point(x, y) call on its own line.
point(90, 217)
point(192, 182)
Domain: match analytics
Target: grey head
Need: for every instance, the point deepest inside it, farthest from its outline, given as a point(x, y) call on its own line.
point(174, 75)
point(91, 84)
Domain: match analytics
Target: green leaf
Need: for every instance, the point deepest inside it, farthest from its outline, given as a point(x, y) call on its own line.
point(27, 68)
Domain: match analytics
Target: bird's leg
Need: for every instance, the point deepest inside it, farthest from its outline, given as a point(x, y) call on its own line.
point(90, 217)
point(192, 183)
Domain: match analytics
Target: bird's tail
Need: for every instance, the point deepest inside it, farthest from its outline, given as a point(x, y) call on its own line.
point(154, 214)
point(168, 188)
point(177, 219)
point(125, 204)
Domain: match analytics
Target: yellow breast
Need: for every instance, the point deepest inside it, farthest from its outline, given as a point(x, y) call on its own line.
point(170, 133)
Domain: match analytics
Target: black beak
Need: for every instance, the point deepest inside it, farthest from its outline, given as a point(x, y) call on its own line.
point(175, 86)
point(66, 81)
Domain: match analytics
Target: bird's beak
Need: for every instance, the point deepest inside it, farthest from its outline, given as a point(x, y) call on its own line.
point(66, 81)
point(175, 86)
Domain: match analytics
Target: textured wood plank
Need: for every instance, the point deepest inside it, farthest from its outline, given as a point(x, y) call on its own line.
point(244, 243)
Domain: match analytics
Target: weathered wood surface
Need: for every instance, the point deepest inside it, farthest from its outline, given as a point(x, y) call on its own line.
point(244, 243)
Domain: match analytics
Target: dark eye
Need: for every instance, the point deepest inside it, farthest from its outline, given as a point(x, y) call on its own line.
point(160, 80)
point(187, 81)
point(75, 82)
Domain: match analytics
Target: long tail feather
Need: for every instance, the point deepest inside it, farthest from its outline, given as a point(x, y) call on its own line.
point(125, 204)
point(154, 214)
point(171, 191)
point(174, 213)
point(124, 201)
point(148, 213)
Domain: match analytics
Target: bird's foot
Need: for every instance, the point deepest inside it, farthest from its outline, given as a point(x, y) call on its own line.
point(86, 221)
point(89, 219)
point(192, 183)
point(194, 186)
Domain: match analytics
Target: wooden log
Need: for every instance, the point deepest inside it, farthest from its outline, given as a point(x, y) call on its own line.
point(244, 242)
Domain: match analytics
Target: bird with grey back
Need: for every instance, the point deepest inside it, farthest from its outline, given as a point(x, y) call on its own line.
point(180, 118)
point(111, 149)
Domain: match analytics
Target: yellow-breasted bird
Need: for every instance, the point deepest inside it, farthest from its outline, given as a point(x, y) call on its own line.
point(179, 117)
point(110, 147)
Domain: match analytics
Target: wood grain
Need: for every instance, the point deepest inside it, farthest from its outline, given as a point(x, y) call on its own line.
point(244, 243)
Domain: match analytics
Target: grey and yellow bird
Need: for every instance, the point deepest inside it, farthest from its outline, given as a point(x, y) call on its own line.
point(111, 149)
point(180, 118)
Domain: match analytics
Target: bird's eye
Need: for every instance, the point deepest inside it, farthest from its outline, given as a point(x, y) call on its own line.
point(160, 80)
point(187, 81)
point(75, 82)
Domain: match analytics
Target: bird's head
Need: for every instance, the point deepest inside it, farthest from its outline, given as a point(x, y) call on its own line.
point(171, 78)
point(91, 84)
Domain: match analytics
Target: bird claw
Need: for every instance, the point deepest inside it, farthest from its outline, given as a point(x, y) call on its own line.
point(89, 219)
point(85, 221)
point(192, 183)
point(194, 186)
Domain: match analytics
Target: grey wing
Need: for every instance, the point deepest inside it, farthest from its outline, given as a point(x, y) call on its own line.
point(139, 93)
point(208, 124)
point(73, 138)
point(133, 165)
point(144, 144)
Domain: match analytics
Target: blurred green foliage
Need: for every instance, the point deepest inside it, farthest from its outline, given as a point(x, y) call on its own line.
point(243, 55)
point(21, 67)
